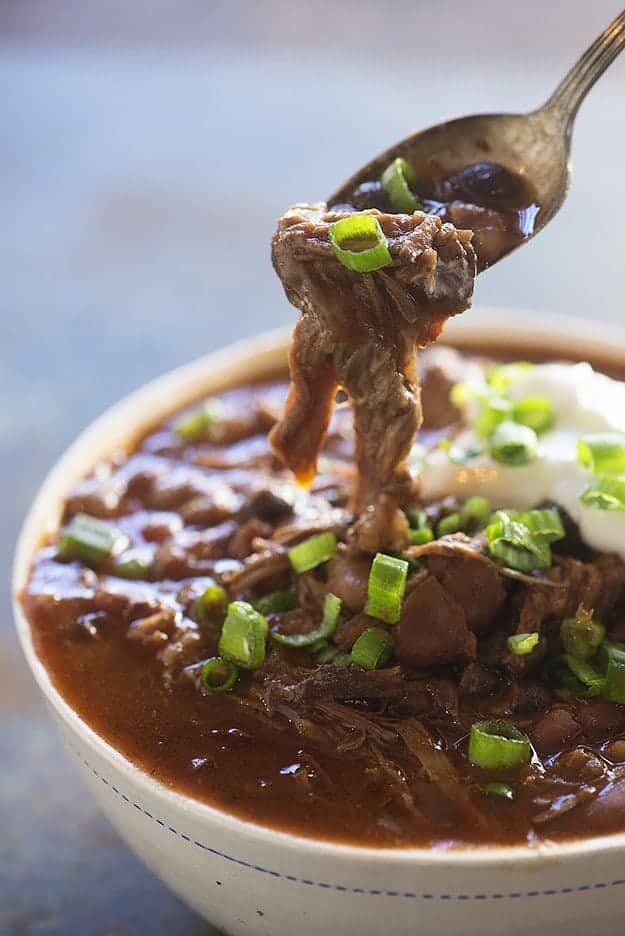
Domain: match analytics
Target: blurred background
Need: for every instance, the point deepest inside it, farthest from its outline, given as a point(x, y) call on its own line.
point(146, 149)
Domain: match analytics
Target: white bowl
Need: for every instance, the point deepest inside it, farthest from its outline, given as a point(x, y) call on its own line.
point(251, 879)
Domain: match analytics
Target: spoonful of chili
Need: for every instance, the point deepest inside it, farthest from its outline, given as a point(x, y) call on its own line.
point(504, 176)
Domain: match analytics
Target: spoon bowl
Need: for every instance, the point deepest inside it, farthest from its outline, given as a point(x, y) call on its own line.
point(535, 146)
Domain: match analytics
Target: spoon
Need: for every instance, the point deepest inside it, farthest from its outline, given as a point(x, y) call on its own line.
point(534, 145)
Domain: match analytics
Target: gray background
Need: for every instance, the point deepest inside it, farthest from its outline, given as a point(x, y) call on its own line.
point(146, 149)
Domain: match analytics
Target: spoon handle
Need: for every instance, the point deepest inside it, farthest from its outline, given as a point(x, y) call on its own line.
point(574, 87)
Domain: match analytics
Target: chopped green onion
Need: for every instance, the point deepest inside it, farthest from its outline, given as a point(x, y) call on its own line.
point(396, 181)
point(460, 394)
point(457, 455)
point(514, 445)
point(603, 453)
point(210, 607)
point(243, 636)
point(373, 649)
point(218, 675)
point(513, 542)
point(535, 412)
point(476, 511)
point(589, 677)
point(450, 524)
point(605, 494)
point(386, 587)
point(89, 540)
point(313, 551)
point(194, 425)
point(276, 602)
point(418, 519)
point(494, 410)
point(501, 376)
point(498, 745)
point(522, 644)
point(547, 523)
point(567, 680)
point(359, 243)
point(581, 635)
point(615, 674)
point(327, 653)
point(421, 537)
point(133, 564)
point(504, 790)
point(329, 620)
point(420, 530)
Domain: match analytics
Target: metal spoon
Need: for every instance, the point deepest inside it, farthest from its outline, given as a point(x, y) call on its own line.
point(535, 145)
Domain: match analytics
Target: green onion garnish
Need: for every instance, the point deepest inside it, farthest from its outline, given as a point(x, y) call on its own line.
point(614, 689)
point(494, 410)
point(457, 455)
point(218, 675)
point(89, 540)
point(373, 649)
point(535, 412)
point(276, 602)
point(421, 537)
point(582, 635)
point(396, 181)
point(194, 425)
point(386, 587)
point(359, 243)
point(501, 376)
point(329, 620)
point(603, 453)
point(475, 512)
point(605, 494)
point(498, 745)
point(521, 540)
point(210, 607)
point(450, 524)
point(593, 681)
point(420, 530)
point(313, 551)
point(504, 790)
point(514, 445)
point(132, 564)
point(243, 636)
point(522, 644)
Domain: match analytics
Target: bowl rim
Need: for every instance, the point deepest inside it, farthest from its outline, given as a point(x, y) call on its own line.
point(246, 360)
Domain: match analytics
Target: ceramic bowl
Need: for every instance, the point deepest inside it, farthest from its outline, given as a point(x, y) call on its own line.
point(249, 879)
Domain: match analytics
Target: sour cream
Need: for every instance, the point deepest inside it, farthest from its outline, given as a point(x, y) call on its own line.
point(584, 402)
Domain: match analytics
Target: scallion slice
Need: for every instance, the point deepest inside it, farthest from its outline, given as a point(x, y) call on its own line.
point(276, 602)
point(329, 620)
point(420, 530)
point(503, 790)
point(475, 512)
point(602, 453)
point(498, 745)
point(614, 689)
point(90, 540)
point(494, 410)
point(396, 181)
point(421, 537)
point(593, 681)
point(194, 425)
point(514, 445)
point(133, 564)
point(581, 635)
point(218, 675)
point(373, 649)
point(501, 376)
point(313, 551)
point(210, 607)
point(359, 243)
point(523, 644)
point(605, 494)
point(457, 455)
point(243, 634)
point(535, 412)
point(452, 523)
point(513, 542)
point(386, 587)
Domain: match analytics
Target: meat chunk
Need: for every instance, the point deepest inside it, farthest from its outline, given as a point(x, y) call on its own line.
point(440, 369)
point(361, 331)
point(554, 731)
point(601, 720)
point(477, 586)
point(348, 575)
point(433, 628)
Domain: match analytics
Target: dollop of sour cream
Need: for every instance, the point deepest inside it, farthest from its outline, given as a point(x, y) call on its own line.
point(584, 402)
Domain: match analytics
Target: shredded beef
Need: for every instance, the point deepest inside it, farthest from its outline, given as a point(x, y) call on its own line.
point(361, 331)
point(433, 628)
